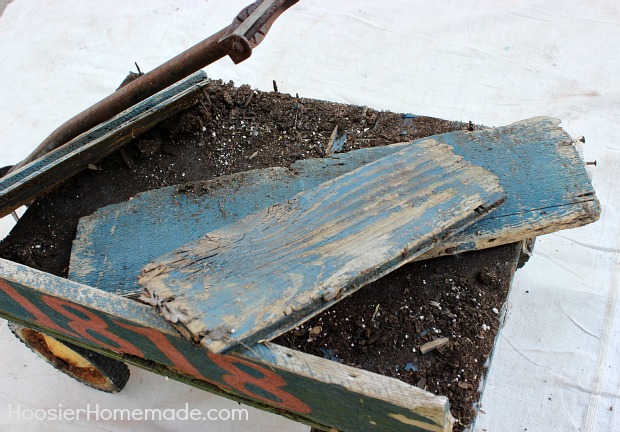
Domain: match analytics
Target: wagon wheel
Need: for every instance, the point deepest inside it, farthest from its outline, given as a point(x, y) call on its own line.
point(88, 367)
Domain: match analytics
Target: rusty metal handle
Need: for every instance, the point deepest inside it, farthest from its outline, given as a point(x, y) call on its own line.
point(237, 40)
point(251, 25)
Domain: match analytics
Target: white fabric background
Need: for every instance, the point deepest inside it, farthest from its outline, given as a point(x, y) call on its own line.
point(492, 62)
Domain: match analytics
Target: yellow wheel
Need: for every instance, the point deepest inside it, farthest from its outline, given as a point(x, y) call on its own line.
point(88, 367)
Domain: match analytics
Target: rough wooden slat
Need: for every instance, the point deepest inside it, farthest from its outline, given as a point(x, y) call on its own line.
point(261, 276)
point(430, 346)
point(113, 244)
point(300, 386)
point(545, 180)
point(38, 177)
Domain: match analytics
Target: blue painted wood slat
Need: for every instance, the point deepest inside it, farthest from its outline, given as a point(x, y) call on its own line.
point(545, 181)
point(266, 273)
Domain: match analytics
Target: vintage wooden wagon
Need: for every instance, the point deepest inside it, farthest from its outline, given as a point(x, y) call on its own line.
point(225, 265)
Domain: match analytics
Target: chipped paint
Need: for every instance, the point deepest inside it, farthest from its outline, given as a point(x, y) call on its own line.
point(416, 423)
point(568, 201)
point(323, 244)
point(275, 378)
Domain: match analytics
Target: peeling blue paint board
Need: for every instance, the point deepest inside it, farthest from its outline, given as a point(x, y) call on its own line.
point(531, 154)
point(259, 277)
point(113, 244)
point(544, 178)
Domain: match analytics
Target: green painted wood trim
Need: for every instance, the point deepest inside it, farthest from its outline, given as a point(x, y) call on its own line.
point(40, 176)
point(270, 377)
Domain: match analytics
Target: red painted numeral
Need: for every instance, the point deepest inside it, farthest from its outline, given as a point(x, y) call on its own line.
point(177, 359)
point(92, 324)
point(87, 325)
point(269, 381)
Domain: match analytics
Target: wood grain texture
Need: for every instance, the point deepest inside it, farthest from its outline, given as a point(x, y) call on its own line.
point(40, 176)
point(114, 244)
point(305, 388)
point(422, 407)
point(266, 273)
point(545, 181)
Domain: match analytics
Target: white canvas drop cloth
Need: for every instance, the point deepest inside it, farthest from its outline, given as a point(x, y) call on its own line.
point(557, 360)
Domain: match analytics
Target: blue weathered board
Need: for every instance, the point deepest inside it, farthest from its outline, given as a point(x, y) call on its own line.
point(545, 180)
point(539, 167)
point(114, 243)
point(259, 277)
point(270, 377)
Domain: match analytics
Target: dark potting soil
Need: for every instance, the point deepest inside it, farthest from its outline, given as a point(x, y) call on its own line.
point(380, 328)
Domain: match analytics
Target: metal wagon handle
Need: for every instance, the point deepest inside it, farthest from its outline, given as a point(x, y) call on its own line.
point(247, 30)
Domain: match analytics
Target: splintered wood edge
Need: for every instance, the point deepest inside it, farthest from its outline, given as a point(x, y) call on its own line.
point(576, 214)
point(391, 390)
point(182, 314)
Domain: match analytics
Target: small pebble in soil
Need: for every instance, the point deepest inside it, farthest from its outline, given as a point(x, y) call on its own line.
point(411, 367)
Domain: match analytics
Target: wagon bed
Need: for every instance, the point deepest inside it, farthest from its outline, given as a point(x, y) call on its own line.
point(155, 160)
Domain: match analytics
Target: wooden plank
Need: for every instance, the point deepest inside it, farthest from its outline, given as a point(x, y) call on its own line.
point(545, 180)
point(114, 244)
point(350, 377)
point(266, 273)
point(40, 176)
point(303, 387)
